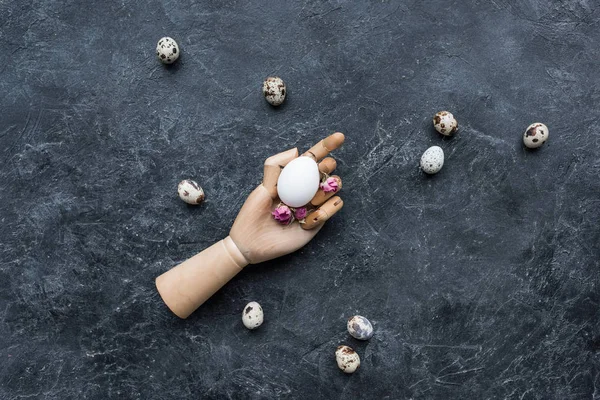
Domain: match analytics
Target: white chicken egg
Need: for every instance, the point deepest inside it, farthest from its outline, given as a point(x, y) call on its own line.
point(298, 182)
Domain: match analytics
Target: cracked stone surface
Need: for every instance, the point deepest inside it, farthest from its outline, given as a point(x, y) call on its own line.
point(481, 282)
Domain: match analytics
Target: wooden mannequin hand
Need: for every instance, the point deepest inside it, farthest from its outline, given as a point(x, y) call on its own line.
point(257, 235)
point(254, 237)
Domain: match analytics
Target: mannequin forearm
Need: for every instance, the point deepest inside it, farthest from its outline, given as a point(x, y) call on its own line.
point(185, 287)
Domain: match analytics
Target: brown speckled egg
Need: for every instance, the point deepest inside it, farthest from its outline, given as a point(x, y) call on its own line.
point(445, 123)
point(253, 315)
point(535, 135)
point(360, 328)
point(347, 359)
point(274, 90)
point(167, 50)
point(190, 192)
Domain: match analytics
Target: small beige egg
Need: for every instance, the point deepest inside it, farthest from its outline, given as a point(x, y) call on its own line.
point(253, 315)
point(445, 123)
point(190, 192)
point(274, 90)
point(347, 359)
point(167, 50)
point(536, 135)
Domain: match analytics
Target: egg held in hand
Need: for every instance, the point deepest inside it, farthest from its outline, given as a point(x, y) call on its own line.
point(298, 182)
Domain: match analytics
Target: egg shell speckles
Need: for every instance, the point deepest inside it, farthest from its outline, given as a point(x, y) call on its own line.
point(360, 328)
point(535, 135)
point(167, 50)
point(253, 315)
point(445, 123)
point(190, 192)
point(347, 359)
point(432, 160)
point(274, 90)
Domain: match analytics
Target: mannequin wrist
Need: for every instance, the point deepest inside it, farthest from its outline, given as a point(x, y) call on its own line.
point(234, 252)
point(187, 286)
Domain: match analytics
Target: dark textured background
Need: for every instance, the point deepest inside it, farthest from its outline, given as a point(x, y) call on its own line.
point(482, 281)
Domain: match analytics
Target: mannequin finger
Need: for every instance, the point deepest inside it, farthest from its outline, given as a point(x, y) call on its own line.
point(327, 165)
point(273, 167)
point(323, 213)
point(321, 149)
point(322, 196)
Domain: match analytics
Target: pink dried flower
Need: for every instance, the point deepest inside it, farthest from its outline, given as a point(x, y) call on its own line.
point(283, 215)
point(300, 213)
point(330, 185)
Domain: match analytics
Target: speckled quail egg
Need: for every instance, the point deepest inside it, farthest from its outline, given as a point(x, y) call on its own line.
point(432, 160)
point(445, 123)
point(274, 90)
point(253, 315)
point(167, 50)
point(190, 192)
point(360, 328)
point(347, 359)
point(535, 135)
